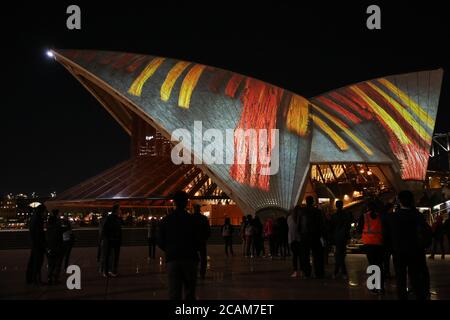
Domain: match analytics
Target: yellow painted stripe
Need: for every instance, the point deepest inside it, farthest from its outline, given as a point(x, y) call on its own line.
point(171, 78)
point(188, 85)
point(344, 128)
point(298, 115)
point(136, 87)
point(417, 109)
point(405, 114)
point(391, 123)
point(330, 132)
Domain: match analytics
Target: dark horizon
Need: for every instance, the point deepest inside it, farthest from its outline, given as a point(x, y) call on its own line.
point(57, 135)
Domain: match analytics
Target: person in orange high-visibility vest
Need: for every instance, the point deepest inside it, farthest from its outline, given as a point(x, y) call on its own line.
point(371, 228)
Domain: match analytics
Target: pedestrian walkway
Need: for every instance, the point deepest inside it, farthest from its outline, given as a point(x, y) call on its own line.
point(227, 278)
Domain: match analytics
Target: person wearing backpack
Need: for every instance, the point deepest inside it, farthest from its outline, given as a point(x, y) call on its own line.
point(409, 235)
point(227, 234)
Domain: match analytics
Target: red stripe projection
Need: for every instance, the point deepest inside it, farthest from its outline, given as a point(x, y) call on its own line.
point(337, 108)
point(136, 64)
point(217, 80)
point(347, 102)
point(89, 56)
point(233, 85)
point(108, 58)
point(260, 106)
point(124, 60)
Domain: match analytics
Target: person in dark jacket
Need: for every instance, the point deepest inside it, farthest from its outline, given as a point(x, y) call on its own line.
point(407, 232)
point(54, 247)
point(152, 230)
point(227, 234)
point(204, 232)
point(340, 225)
point(258, 237)
point(311, 234)
point(180, 240)
point(112, 239)
point(37, 235)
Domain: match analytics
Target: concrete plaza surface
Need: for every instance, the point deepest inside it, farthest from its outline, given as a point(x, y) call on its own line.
point(227, 278)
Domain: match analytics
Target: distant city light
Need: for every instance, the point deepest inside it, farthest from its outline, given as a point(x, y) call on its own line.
point(50, 54)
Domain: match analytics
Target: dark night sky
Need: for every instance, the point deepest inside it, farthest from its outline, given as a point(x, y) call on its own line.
point(54, 134)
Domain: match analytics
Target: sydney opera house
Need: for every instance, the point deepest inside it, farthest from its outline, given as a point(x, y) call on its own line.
point(376, 132)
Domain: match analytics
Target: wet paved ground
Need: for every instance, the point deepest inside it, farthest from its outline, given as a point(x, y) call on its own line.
point(227, 278)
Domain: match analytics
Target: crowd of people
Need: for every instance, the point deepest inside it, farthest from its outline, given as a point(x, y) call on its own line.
point(394, 230)
point(55, 242)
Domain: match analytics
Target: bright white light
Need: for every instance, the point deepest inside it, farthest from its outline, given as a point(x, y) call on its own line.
point(50, 54)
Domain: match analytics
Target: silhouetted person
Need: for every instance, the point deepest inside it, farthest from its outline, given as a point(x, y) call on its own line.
point(204, 231)
point(268, 234)
point(38, 245)
point(68, 240)
point(112, 239)
point(54, 248)
point(340, 225)
point(242, 235)
point(311, 234)
point(179, 239)
point(227, 234)
point(249, 232)
point(152, 229)
point(438, 237)
point(371, 228)
point(409, 234)
point(294, 241)
point(447, 231)
point(388, 210)
point(258, 240)
point(100, 245)
point(283, 234)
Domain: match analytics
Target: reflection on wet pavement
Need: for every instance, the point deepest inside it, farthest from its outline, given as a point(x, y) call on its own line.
point(227, 278)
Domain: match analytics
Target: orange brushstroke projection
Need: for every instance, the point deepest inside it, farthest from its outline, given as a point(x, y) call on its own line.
point(233, 85)
point(171, 78)
point(188, 85)
point(136, 87)
point(330, 132)
point(418, 110)
point(344, 128)
point(260, 106)
point(297, 119)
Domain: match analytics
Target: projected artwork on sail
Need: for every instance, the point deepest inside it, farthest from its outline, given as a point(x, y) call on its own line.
point(389, 120)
